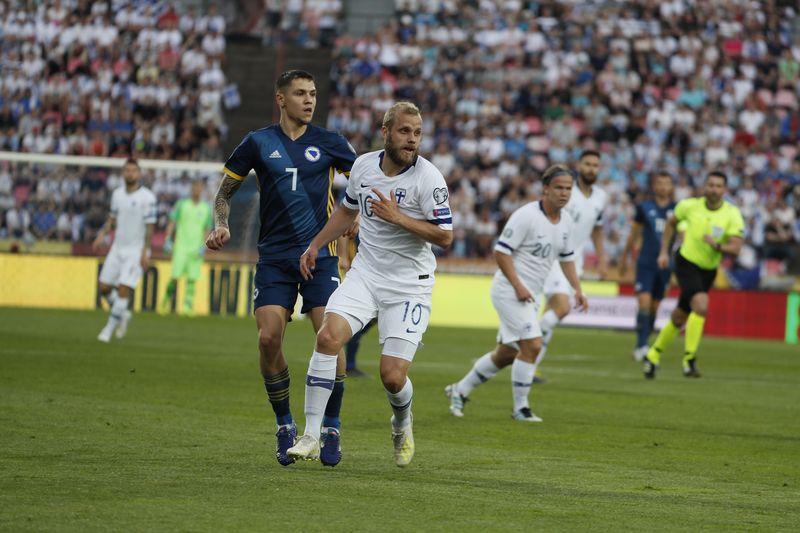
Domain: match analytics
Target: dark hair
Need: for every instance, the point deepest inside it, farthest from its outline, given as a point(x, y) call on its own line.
point(131, 161)
point(718, 174)
point(587, 153)
point(662, 173)
point(286, 79)
point(554, 171)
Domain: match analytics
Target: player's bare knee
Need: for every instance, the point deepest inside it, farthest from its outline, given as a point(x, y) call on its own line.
point(329, 341)
point(504, 355)
point(269, 341)
point(393, 378)
point(700, 303)
point(529, 350)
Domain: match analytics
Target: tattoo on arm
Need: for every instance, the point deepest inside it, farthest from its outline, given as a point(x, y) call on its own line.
point(222, 202)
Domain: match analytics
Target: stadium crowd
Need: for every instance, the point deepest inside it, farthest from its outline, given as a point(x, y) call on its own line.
point(511, 86)
point(507, 87)
point(112, 78)
point(107, 78)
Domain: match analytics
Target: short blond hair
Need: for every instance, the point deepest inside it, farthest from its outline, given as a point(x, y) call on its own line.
point(406, 108)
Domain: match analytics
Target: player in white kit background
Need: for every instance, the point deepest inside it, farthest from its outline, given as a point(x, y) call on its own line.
point(403, 202)
point(133, 216)
point(585, 207)
point(536, 236)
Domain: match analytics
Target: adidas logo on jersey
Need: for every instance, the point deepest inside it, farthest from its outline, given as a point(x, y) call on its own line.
point(275, 155)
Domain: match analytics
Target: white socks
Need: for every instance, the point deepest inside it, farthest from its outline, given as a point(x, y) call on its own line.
point(522, 374)
point(118, 309)
point(401, 405)
point(549, 321)
point(482, 371)
point(111, 297)
point(319, 385)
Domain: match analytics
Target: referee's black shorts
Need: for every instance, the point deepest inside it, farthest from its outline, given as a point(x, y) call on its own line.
point(692, 280)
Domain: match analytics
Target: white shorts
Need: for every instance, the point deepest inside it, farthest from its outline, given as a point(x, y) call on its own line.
point(401, 314)
point(556, 283)
point(518, 320)
point(122, 268)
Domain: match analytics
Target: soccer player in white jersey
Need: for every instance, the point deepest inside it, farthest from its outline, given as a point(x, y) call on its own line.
point(536, 235)
point(403, 201)
point(133, 214)
point(585, 206)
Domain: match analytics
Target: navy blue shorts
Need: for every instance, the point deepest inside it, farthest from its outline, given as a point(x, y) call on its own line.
point(279, 283)
point(652, 280)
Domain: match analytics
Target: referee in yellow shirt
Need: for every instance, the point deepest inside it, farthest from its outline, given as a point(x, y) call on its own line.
point(713, 227)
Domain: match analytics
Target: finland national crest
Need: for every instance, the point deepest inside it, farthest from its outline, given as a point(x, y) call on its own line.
point(399, 195)
point(313, 154)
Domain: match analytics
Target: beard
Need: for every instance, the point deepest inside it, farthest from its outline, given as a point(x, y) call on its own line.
point(399, 156)
point(589, 179)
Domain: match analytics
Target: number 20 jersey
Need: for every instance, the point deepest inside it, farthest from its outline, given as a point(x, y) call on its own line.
point(535, 243)
point(388, 252)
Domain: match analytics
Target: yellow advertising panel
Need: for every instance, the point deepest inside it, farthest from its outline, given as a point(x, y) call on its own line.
point(63, 282)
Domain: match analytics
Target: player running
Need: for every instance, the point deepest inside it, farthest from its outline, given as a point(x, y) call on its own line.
point(586, 206)
point(189, 221)
point(651, 281)
point(713, 227)
point(133, 214)
point(536, 235)
point(294, 163)
point(403, 201)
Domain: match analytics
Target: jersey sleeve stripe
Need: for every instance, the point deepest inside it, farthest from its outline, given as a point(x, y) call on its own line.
point(232, 174)
point(503, 248)
point(504, 245)
point(330, 192)
point(440, 221)
point(349, 202)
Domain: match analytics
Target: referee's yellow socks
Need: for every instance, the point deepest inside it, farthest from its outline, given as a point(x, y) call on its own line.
point(664, 339)
point(694, 332)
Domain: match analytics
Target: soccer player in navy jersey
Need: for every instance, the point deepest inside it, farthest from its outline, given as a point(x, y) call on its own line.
point(651, 281)
point(294, 162)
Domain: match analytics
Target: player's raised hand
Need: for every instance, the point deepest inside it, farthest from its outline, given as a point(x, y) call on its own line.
point(352, 231)
point(663, 260)
point(385, 208)
point(581, 302)
point(308, 262)
point(217, 238)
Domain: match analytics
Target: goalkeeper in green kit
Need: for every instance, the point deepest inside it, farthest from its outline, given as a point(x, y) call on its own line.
point(189, 222)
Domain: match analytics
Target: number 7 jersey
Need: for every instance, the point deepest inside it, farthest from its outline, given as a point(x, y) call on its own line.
point(386, 251)
point(535, 243)
point(295, 184)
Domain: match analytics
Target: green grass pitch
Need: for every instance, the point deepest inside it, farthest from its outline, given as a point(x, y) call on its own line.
point(170, 429)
